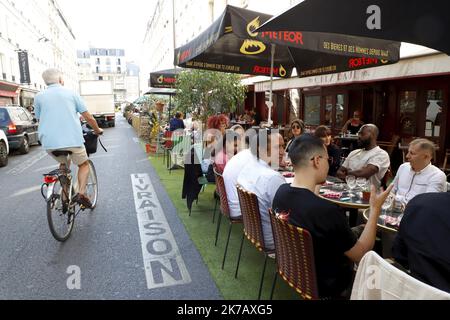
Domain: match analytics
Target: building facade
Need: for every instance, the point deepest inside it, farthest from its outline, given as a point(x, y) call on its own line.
point(176, 22)
point(39, 31)
point(104, 64)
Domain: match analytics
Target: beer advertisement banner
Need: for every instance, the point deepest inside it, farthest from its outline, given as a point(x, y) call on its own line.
point(233, 44)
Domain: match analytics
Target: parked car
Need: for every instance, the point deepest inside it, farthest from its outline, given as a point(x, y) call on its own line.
point(20, 127)
point(4, 149)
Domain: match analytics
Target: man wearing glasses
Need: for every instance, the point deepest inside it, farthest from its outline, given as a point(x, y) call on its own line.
point(336, 246)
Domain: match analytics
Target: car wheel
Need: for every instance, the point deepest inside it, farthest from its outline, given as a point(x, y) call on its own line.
point(3, 155)
point(25, 148)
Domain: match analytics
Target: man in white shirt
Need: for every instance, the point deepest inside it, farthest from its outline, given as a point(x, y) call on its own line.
point(231, 173)
point(259, 177)
point(418, 175)
point(370, 162)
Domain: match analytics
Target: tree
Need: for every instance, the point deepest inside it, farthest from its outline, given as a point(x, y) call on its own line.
point(204, 93)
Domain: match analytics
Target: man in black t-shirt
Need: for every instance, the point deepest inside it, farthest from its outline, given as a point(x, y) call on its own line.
point(336, 246)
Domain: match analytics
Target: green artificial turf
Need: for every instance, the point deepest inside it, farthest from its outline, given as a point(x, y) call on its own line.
point(202, 232)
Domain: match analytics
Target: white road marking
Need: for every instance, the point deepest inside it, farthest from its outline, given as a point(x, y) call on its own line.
point(136, 140)
point(45, 169)
point(28, 163)
point(25, 191)
point(164, 265)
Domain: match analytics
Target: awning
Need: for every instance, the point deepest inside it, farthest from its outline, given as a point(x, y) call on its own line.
point(232, 44)
point(164, 79)
point(425, 66)
point(420, 22)
point(8, 89)
point(8, 94)
point(161, 91)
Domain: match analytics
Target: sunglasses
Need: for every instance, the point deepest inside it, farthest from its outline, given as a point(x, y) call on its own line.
point(295, 127)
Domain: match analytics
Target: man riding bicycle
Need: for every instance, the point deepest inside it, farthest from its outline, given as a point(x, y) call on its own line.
point(60, 130)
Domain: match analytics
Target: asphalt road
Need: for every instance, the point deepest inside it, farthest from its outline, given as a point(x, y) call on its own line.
point(114, 253)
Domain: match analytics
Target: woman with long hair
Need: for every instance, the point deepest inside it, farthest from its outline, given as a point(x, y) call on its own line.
point(297, 129)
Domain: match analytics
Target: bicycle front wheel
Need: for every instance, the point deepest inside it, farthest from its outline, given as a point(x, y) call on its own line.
point(92, 185)
point(60, 217)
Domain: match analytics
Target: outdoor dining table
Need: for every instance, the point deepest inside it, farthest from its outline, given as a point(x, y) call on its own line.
point(388, 225)
point(336, 191)
point(388, 220)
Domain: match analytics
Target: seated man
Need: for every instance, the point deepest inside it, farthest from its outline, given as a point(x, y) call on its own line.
point(422, 241)
point(370, 162)
point(261, 179)
point(231, 173)
point(177, 122)
point(418, 175)
point(336, 246)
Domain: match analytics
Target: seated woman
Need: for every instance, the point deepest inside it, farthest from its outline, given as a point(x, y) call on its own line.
point(217, 126)
point(334, 152)
point(297, 129)
point(354, 124)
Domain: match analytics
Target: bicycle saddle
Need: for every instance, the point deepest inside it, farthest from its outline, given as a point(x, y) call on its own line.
point(61, 153)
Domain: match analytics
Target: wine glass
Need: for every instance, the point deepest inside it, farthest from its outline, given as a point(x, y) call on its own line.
point(351, 182)
point(388, 203)
point(361, 182)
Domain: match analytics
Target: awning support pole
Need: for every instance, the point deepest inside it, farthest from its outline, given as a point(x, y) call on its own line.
point(270, 103)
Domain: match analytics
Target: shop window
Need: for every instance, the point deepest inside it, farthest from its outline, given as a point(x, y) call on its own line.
point(340, 108)
point(312, 110)
point(435, 105)
point(408, 108)
point(328, 110)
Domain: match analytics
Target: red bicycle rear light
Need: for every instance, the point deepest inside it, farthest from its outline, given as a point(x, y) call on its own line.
point(50, 179)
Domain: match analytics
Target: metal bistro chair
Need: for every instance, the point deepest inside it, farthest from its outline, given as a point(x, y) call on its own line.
point(252, 229)
point(167, 148)
point(295, 258)
point(446, 164)
point(225, 211)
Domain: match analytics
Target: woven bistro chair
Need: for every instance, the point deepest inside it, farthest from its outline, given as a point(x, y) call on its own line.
point(225, 211)
point(253, 231)
point(295, 258)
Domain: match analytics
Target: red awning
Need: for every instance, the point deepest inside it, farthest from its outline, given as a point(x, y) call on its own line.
point(8, 89)
point(10, 94)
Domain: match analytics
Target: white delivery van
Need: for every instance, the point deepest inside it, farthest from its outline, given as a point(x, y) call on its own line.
point(99, 98)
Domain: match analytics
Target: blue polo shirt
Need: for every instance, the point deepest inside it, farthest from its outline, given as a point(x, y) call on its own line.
point(57, 109)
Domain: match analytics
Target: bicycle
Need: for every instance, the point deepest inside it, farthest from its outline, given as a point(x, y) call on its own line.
point(62, 209)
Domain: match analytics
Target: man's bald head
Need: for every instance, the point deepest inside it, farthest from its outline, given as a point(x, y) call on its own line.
point(368, 136)
point(372, 129)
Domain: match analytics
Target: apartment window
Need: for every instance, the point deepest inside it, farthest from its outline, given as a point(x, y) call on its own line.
point(119, 70)
point(108, 61)
point(97, 69)
point(98, 61)
point(119, 62)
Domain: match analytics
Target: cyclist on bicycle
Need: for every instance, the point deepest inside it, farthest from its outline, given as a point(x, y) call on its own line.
point(57, 110)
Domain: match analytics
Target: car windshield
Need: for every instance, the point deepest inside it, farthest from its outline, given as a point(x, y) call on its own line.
point(4, 117)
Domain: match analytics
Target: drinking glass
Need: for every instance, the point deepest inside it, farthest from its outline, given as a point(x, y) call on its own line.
point(388, 203)
point(351, 182)
point(362, 183)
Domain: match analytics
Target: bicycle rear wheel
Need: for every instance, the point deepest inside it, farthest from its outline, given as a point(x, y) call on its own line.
point(92, 185)
point(60, 217)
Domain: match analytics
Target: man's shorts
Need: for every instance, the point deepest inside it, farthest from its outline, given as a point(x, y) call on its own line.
point(78, 156)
